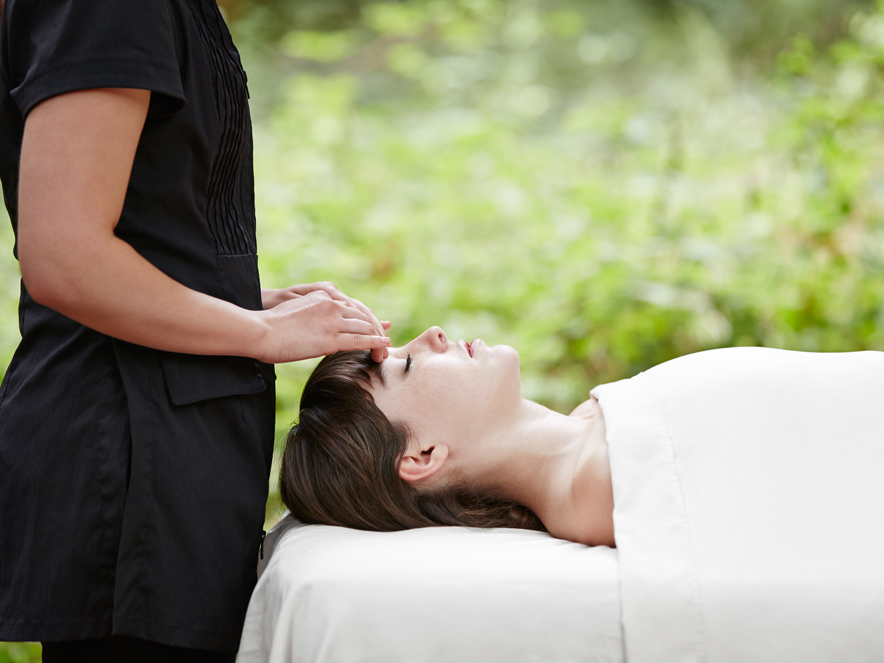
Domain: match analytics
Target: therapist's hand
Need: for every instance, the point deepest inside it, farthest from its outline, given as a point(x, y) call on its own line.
point(316, 319)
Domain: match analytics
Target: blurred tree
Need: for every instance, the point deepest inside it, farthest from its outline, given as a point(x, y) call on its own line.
point(603, 185)
point(747, 24)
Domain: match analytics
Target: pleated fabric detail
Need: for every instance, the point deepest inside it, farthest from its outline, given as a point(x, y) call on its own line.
point(224, 195)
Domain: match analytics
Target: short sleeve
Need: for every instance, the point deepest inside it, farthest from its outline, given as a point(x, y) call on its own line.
point(58, 46)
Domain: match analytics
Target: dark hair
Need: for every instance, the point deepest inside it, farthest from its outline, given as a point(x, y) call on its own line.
point(341, 463)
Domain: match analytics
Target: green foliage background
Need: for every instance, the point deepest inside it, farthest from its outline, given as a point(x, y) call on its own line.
point(604, 186)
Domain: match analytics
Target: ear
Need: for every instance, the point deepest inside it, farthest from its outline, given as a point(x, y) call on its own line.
point(418, 464)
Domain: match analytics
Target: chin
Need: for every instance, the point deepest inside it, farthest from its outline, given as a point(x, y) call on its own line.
point(505, 350)
point(503, 355)
point(511, 353)
point(509, 362)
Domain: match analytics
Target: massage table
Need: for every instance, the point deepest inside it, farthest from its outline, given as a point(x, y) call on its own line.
point(749, 520)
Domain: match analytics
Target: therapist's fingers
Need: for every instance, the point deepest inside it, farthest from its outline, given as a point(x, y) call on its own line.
point(314, 325)
point(338, 295)
point(379, 354)
point(357, 326)
point(363, 342)
point(327, 287)
point(354, 310)
point(271, 297)
point(377, 323)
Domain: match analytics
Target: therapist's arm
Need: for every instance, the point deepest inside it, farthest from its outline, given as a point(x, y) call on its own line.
point(76, 159)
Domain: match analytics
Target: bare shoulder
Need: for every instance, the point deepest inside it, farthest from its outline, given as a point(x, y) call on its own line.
point(588, 407)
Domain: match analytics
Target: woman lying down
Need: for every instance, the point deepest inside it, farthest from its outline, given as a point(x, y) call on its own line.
point(742, 486)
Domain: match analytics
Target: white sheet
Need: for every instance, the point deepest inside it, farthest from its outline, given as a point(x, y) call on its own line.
point(439, 594)
point(749, 507)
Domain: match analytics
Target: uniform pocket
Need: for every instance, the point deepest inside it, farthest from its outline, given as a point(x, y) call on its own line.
point(193, 378)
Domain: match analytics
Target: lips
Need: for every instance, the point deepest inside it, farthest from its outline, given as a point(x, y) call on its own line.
point(466, 346)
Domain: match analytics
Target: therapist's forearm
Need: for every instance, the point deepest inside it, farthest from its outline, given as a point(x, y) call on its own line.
point(106, 285)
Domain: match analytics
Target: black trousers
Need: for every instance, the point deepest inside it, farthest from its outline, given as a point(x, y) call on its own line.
point(127, 650)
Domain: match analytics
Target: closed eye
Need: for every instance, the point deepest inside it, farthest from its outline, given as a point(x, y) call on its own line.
point(407, 364)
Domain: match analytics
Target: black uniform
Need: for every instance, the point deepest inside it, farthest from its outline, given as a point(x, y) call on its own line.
point(133, 481)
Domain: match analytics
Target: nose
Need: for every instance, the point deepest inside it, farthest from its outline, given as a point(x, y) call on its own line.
point(434, 339)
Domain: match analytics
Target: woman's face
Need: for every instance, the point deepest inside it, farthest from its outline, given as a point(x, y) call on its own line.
point(445, 390)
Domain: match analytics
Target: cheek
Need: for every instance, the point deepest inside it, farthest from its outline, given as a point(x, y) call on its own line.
point(433, 403)
point(416, 406)
point(470, 394)
point(437, 408)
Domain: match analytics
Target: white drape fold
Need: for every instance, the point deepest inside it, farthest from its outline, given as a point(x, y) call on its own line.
point(749, 506)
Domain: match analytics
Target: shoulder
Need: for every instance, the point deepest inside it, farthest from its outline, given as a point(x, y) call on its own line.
point(67, 18)
point(64, 45)
point(589, 407)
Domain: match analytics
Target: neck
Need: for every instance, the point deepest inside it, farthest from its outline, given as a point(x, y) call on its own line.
point(557, 466)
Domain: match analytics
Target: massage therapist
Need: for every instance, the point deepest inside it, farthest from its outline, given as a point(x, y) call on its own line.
point(136, 416)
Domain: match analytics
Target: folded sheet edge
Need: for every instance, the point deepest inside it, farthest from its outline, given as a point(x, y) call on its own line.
point(661, 604)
